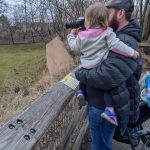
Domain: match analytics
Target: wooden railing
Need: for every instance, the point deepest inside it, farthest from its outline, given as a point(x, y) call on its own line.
point(53, 121)
point(144, 45)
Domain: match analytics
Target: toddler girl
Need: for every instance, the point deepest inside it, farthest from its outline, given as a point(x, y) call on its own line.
point(94, 44)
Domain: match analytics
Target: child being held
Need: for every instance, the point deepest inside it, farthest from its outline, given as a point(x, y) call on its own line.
point(94, 44)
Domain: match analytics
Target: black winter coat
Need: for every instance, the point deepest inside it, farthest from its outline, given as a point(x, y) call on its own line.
point(118, 76)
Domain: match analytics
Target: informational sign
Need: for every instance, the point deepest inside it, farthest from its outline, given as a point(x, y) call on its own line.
point(70, 81)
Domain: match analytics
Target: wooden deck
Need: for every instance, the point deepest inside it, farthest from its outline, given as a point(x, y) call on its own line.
point(86, 144)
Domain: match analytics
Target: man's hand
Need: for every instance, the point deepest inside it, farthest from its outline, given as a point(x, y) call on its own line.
point(135, 55)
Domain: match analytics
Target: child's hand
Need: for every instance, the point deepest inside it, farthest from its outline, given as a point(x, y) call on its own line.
point(74, 31)
point(135, 55)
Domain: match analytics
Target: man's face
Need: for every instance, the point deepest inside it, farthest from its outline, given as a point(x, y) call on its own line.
point(113, 19)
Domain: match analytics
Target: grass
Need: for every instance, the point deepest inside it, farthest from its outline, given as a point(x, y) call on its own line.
point(20, 65)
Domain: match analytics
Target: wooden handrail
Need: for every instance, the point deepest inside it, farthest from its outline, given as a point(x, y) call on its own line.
point(24, 131)
point(144, 45)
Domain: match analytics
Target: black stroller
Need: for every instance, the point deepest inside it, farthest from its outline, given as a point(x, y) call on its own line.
point(136, 132)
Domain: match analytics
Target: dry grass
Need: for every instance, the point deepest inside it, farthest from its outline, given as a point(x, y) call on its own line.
point(13, 104)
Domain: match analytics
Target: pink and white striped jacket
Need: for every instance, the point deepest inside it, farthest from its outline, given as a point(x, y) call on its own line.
point(94, 45)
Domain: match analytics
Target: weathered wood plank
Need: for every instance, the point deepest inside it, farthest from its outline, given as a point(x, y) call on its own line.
point(144, 45)
point(13, 139)
point(38, 117)
point(146, 61)
point(81, 135)
point(79, 115)
point(146, 25)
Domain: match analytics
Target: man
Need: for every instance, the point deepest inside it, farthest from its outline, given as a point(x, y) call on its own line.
point(114, 71)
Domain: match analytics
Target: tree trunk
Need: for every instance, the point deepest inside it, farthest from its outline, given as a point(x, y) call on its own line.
point(12, 38)
point(141, 12)
point(32, 34)
point(146, 25)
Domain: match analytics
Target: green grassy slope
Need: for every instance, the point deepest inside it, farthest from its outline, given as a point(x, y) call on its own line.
point(20, 65)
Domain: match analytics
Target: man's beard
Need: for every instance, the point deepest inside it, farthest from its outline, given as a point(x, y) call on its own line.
point(114, 24)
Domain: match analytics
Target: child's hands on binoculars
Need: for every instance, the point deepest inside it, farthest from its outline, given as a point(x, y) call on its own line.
point(74, 31)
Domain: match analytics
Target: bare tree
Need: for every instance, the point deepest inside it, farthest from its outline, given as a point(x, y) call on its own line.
point(146, 24)
point(25, 12)
point(7, 27)
point(41, 20)
point(3, 6)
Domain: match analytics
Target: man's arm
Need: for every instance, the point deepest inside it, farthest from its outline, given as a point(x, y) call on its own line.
point(133, 43)
point(111, 73)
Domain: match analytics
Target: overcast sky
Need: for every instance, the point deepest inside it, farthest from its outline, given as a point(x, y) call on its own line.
point(13, 2)
point(9, 12)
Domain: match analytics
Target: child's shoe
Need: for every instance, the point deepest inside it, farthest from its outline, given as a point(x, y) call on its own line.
point(110, 116)
point(81, 98)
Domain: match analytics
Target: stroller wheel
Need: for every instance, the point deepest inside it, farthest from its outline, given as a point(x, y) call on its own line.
point(148, 143)
point(145, 138)
point(143, 148)
point(134, 140)
point(145, 141)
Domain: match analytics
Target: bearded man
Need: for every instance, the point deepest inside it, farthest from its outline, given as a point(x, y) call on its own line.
point(115, 71)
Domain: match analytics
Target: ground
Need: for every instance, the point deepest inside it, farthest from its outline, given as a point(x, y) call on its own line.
point(86, 144)
point(118, 146)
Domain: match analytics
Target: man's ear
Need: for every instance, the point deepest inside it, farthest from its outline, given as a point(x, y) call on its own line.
point(121, 14)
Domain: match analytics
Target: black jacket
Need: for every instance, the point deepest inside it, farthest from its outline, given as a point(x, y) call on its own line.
point(118, 76)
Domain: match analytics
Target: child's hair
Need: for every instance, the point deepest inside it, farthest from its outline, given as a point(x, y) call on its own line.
point(97, 15)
